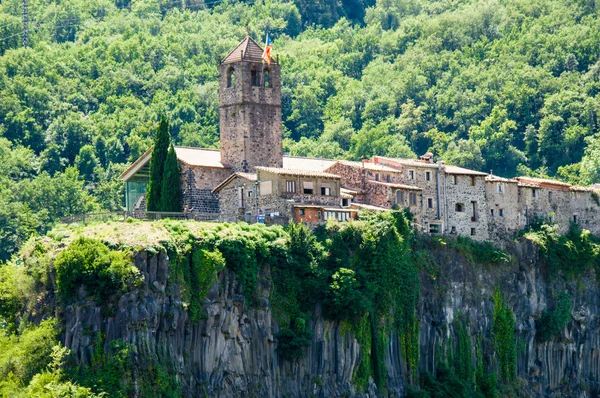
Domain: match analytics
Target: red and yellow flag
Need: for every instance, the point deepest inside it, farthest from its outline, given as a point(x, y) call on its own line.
point(267, 53)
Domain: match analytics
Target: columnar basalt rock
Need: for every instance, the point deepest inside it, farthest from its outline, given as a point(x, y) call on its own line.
point(232, 351)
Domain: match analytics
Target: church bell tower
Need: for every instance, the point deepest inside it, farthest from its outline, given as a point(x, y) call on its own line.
point(249, 109)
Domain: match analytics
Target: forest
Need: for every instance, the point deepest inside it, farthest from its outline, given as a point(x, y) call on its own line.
point(504, 85)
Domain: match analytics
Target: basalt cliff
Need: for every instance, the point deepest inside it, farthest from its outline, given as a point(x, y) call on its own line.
point(232, 350)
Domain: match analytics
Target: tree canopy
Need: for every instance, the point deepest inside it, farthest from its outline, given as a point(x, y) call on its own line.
point(510, 86)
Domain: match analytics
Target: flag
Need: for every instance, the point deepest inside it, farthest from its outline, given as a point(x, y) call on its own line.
point(267, 53)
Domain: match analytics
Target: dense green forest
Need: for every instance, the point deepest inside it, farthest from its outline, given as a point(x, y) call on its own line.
point(509, 85)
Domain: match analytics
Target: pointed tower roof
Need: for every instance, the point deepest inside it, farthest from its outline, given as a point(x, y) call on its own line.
point(247, 50)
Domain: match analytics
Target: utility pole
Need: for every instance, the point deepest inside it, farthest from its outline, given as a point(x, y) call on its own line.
point(25, 23)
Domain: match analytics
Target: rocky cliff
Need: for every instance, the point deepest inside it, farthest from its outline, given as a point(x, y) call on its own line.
point(232, 350)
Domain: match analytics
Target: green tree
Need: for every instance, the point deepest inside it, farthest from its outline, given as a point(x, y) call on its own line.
point(157, 165)
point(171, 185)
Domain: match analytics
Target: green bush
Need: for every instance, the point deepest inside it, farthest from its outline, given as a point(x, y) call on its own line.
point(552, 322)
point(28, 353)
point(572, 254)
point(91, 263)
point(205, 265)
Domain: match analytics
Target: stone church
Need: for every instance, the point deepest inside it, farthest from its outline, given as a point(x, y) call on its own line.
point(250, 179)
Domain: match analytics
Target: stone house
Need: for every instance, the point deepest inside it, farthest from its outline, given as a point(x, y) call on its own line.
point(250, 179)
point(283, 194)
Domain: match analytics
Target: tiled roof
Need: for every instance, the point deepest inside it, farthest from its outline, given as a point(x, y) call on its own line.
point(302, 163)
point(199, 157)
point(536, 180)
point(247, 50)
point(296, 172)
point(369, 207)
point(493, 178)
point(349, 191)
point(393, 185)
point(225, 182)
point(582, 189)
point(369, 166)
point(459, 170)
point(248, 176)
point(410, 162)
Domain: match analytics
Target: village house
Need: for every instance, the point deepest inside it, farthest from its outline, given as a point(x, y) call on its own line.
point(250, 179)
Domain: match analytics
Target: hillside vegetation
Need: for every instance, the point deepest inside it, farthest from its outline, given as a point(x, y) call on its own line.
point(505, 85)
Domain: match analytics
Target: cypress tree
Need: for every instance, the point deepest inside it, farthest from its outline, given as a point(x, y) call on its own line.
point(171, 189)
point(157, 164)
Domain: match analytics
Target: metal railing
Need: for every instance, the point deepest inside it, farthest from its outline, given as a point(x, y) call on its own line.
point(91, 217)
point(160, 215)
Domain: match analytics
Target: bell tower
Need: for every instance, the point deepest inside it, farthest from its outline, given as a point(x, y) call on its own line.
point(249, 109)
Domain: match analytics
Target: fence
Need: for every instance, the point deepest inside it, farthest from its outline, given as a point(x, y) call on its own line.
point(90, 217)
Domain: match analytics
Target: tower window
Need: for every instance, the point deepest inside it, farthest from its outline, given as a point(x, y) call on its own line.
point(459, 208)
point(428, 175)
point(230, 77)
point(254, 79)
point(266, 80)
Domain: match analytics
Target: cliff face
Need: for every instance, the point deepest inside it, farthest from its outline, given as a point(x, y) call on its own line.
point(232, 351)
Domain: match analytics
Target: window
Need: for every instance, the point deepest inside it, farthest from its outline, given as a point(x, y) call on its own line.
point(453, 230)
point(412, 198)
point(473, 180)
point(500, 188)
point(290, 186)
point(575, 218)
point(325, 191)
point(399, 197)
point(550, 196)
point(454, 179)
point(430, 203)
point(434, 228)
point(254, 77)
point(428, 175)
point(474, 215)
point(534, 193)
point(459, 207)
point(241, 197)
point(411, 174)
point(230, 77)
point(319, 215)
point(492, 212)
point(307, 187)
point(377, 177)
point(501, 212)
point(345, 202)
point(249, 194)
point(266, 79)
point(302, 212)
point(472, 231)
point(388, 178)
point(266, 188)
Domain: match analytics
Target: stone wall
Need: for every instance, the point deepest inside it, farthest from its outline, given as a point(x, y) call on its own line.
point(197, 184)
point(250, 118)
point(503, 199)
point(459, 191)
point(230, 198)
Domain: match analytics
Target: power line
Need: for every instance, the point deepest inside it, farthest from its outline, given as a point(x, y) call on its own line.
point(8, 37)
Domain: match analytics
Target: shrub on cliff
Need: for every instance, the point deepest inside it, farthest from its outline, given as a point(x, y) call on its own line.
point(552, 322)
point(91, 263)
point(572, 254)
